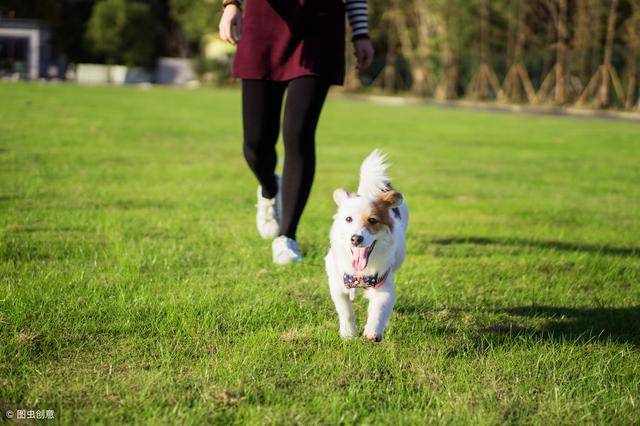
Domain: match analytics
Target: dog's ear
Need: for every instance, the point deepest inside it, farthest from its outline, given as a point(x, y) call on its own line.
point(391, 198)
point(339, 195)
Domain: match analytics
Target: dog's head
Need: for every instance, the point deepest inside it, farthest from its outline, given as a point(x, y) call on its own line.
point(363, 227)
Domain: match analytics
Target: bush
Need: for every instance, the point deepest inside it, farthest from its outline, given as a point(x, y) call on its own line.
point(123, 32)
point(139, 36)
point(107, 23)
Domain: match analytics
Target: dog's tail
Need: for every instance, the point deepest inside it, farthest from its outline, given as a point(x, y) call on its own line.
point(373, 175)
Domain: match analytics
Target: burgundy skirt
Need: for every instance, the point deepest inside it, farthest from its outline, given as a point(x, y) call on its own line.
point(285, 39)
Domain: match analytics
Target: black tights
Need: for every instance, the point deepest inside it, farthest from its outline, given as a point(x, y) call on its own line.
point(261, 105)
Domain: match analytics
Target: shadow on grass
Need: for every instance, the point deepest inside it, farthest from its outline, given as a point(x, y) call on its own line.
point(553, 245)
point(543, 323)
point(621, 325)
point(49, 229)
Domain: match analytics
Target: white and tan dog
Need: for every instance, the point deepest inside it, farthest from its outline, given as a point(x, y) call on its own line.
point(367, 247)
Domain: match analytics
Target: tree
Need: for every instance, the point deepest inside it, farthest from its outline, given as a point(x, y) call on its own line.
point(123, 31)
point(517, 78)
point(588, 27)
point(606, 73)
point(448, 29)
point(390, 71)
point(632, 41)
point(559, 84)
point(416, 45)
point(139, 35)
point(561, 61)
point(604, 97)
point(195, 18)
point(484, 80)
point(105, 28)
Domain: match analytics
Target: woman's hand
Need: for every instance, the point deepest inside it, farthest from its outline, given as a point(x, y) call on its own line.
point(364, 53)
point(231, 24)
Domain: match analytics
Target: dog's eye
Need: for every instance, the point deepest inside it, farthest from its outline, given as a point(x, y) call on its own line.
point(349, 219)
point(372, 220)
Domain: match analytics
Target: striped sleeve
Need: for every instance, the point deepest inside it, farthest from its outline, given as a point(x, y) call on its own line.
point(357, 13)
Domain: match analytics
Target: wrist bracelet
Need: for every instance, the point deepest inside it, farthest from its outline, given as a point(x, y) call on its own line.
point(226, 3)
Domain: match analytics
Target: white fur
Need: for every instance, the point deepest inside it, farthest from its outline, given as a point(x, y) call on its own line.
point(373, 174)
point(389, 251)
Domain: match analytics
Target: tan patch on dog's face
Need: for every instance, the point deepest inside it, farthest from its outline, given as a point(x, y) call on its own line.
point(392, 198)
point(378, 217)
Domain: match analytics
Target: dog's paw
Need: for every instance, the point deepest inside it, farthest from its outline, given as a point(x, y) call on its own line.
point(348, 336)
point(372, 337)
point(348, 333)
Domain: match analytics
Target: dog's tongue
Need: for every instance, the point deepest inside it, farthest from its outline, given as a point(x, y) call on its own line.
point(359, 260)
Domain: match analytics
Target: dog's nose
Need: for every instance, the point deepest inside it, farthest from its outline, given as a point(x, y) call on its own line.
point(357, 239)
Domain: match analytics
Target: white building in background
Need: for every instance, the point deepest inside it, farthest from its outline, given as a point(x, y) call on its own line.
point(25, 48)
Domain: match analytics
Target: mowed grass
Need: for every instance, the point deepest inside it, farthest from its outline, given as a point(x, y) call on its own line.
point(134, 286)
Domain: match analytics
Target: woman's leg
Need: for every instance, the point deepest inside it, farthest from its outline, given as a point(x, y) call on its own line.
point(305, 97)
point(261, 105)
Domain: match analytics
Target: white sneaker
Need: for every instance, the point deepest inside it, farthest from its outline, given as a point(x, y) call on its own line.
point(285, 250)
point(268, 214)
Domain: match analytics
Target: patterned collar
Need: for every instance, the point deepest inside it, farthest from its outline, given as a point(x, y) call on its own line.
point(364, 281)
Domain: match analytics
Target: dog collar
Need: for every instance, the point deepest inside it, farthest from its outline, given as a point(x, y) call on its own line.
point(364, 281)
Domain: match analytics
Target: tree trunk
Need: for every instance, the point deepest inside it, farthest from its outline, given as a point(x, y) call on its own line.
point(424, 34)
point(521, 35)
point(517, 78)
point(485, 34)
point(632, 42)
point(512, 28)
point(548, 61)
point(561, 55)
point(448, 31)
point(391, 56)
point(484, 79)
point(413, 53)
point(351, 81)
point(604, 95)
point(581, 40)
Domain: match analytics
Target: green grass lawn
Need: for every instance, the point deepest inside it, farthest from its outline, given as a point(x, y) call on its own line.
point(135, 288)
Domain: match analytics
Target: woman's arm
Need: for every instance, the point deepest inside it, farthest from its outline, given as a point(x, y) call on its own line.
point(358, 15)
point(231, 21)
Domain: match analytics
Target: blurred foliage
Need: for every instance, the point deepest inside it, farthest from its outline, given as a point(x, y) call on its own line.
point(139, 35)
point(196, 17)
point(212, 70)
point(428, 47)
point(106, 28)
point(123, 32)
point(421, 43)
